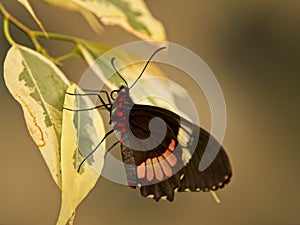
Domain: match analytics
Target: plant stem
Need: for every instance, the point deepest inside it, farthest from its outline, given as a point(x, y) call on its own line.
point(21, 26)
point(56, 36)
point(67, 55)
point(34, 35)
point(6, 31)
point(8, 17)
point(6, 25)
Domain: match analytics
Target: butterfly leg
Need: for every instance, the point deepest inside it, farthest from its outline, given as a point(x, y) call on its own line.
point(111, 147)
point(104, 105)
point(98, 145)
point(97, 91)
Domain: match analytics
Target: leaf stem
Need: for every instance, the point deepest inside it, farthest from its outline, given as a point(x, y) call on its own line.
point(68, 55)
point(21, 26)
point(56, 36)
point(34, 35)
point(6, 25)
point(6, 31)
point(9, 18)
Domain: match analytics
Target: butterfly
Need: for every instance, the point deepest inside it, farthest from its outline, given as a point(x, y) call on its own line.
point(163, 158)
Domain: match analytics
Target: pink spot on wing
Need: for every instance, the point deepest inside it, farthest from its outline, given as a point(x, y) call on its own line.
point(150, 173)
point(157, 170)
point(141, 170)
point(165, 166)
point(172, 145)
point(170, 157)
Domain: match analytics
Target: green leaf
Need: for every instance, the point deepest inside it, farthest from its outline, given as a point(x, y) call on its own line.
point(39, 86)
point(81, 131)
point(131, 15)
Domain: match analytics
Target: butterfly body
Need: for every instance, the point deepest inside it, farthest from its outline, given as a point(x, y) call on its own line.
point(164, 161)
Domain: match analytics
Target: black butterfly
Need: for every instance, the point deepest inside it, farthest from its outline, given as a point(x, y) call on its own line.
point(165, 158)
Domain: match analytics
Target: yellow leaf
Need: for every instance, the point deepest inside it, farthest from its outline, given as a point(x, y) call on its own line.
point(131, 15)
point(39, 86)
point(81, 132)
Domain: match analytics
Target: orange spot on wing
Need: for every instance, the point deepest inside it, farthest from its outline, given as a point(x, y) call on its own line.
point(172, 145)
point(170, 157)
point(157, 170)
point(141, 170)
point(165, 166)
point(150, 173)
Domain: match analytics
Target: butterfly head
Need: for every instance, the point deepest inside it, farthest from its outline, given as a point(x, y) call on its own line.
point(115, 93)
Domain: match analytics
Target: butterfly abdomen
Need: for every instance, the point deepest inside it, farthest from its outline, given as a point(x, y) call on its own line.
point(120, 122)
point(129, 164)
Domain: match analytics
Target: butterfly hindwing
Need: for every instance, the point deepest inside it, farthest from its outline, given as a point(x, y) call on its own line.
point(172, 164)
point(214, 176)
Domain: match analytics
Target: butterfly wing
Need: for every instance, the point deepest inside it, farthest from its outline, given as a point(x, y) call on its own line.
point(173, 164)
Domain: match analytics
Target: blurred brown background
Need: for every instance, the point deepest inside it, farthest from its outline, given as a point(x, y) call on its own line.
point(253, 47)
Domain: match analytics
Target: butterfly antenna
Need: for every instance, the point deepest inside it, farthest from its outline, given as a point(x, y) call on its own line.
point(117, 72)
point(149, 60)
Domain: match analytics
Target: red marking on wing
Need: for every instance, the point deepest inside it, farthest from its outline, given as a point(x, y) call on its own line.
point(141, 170)
point(168, 154)
point(157, 170)
point(172, 145)
point(170, 157)
point(165, 166)
point(158, 167)
point(150, 174)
